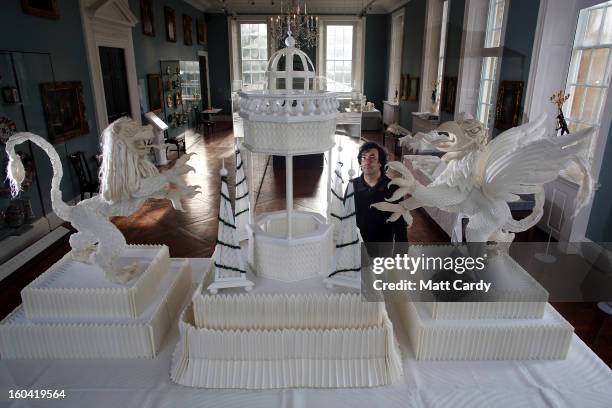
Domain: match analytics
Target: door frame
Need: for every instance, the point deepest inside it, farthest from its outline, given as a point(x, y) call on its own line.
point(109, 24)
point(205, 54)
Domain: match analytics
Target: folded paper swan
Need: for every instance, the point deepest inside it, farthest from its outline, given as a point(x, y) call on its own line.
point(127, 179)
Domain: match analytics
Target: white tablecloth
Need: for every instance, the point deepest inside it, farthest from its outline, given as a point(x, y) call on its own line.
point(582, 380)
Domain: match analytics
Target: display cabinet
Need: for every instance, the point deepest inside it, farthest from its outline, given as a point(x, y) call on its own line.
point(190, 87)
point(27, 218)
point(175, 114)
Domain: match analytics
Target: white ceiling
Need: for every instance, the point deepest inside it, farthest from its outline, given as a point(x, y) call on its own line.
point(352, 7)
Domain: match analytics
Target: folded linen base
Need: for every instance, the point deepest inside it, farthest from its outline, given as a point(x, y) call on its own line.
point(97, 338)
point(285, 358)
point(487, 339)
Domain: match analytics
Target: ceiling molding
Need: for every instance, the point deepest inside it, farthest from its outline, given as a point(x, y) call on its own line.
point(338, 7)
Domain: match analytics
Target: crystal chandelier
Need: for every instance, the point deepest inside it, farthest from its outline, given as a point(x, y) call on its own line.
point(294, 19)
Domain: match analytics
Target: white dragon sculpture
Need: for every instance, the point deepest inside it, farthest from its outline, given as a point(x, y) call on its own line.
point(127, 179)
point(481, 177)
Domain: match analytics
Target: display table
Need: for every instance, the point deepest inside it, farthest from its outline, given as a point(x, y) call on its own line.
point(371, 120)
point(581, 380)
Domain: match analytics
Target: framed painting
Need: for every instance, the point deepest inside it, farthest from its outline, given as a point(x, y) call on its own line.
point(187, 39)
point(508, 109)
point(201, 31)
point(146, 15)
point(170, 24)
point(154, 86)
point(64, 110)
point(41, 8)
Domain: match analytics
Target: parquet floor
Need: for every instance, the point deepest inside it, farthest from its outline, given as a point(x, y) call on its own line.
point(192, 233)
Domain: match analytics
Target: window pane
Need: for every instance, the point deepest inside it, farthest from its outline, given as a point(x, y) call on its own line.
point(607, 28)
point(593, 25)
point(339, 53)
point(583, 67)
point(598, 66)
point(499, 15)
point(496, 38)
point(590, 113)
point(575, 101)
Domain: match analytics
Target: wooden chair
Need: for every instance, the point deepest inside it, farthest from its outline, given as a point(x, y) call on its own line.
point(178, 141)
point(88, 183)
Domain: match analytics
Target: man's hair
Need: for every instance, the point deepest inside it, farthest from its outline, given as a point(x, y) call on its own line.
point(382, 154)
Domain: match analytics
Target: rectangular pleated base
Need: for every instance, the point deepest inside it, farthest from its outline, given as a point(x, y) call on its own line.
point(547, 338)
point(99, 338)
point(285, 358)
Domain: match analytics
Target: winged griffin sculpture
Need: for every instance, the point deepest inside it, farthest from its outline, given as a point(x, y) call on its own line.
point(481, 177)
point(127, 179)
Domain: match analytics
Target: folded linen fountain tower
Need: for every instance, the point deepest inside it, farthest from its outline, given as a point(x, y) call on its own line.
point(290, 330)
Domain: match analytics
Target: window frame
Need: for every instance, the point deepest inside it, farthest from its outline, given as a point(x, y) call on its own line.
point(573, 71)
point(235, 52)
point(358, 49)
point(395, 54)
point(495, 52)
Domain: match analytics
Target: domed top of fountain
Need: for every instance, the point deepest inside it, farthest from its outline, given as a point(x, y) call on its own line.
point(290, 69)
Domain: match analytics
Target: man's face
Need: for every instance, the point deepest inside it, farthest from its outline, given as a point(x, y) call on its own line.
point(369, 162)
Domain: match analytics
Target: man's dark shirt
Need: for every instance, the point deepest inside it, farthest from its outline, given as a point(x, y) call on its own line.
point(373, 223)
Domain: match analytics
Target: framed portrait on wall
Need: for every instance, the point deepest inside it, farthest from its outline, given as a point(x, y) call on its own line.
point(146, 15)
point(64, 110)
point(41, 8)
point(170, 20)
point(187, 30)
point(508, 107)
point(201, 31)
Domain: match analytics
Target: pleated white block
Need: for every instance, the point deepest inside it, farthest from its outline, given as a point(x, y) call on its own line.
point(99, 337)
point(276, 311)
point(284, 358)
point(73, 289)
point(547, 338)
point(514, 293)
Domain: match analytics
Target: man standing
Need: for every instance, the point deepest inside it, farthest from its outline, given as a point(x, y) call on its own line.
point(372, 187)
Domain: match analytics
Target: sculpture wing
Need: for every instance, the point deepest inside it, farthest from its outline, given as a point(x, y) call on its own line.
point(521, 160)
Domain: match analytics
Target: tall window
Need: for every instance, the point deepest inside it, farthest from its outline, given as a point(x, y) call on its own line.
point(492, 54)
point(254, 54)
point(395, 57)
point(590, 66)
point(442, 49)
point(339, 53)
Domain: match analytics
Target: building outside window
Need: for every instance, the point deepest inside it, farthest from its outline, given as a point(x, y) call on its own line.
point(253, 54)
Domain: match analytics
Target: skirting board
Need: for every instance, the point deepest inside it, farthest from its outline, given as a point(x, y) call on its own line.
point(30, 252)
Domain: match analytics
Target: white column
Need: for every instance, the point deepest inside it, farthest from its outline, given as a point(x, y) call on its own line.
point(289, 193)
point(251, 182)
point(329, 184)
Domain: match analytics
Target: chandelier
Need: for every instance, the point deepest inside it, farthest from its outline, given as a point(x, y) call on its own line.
point(294, 19)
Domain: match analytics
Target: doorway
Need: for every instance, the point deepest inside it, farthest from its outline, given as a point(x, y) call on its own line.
point(204, 85)
point(114, 77)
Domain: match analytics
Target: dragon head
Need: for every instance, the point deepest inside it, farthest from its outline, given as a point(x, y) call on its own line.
point(465, 135)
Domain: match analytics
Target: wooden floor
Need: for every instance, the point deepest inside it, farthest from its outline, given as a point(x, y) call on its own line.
point(193, 233)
